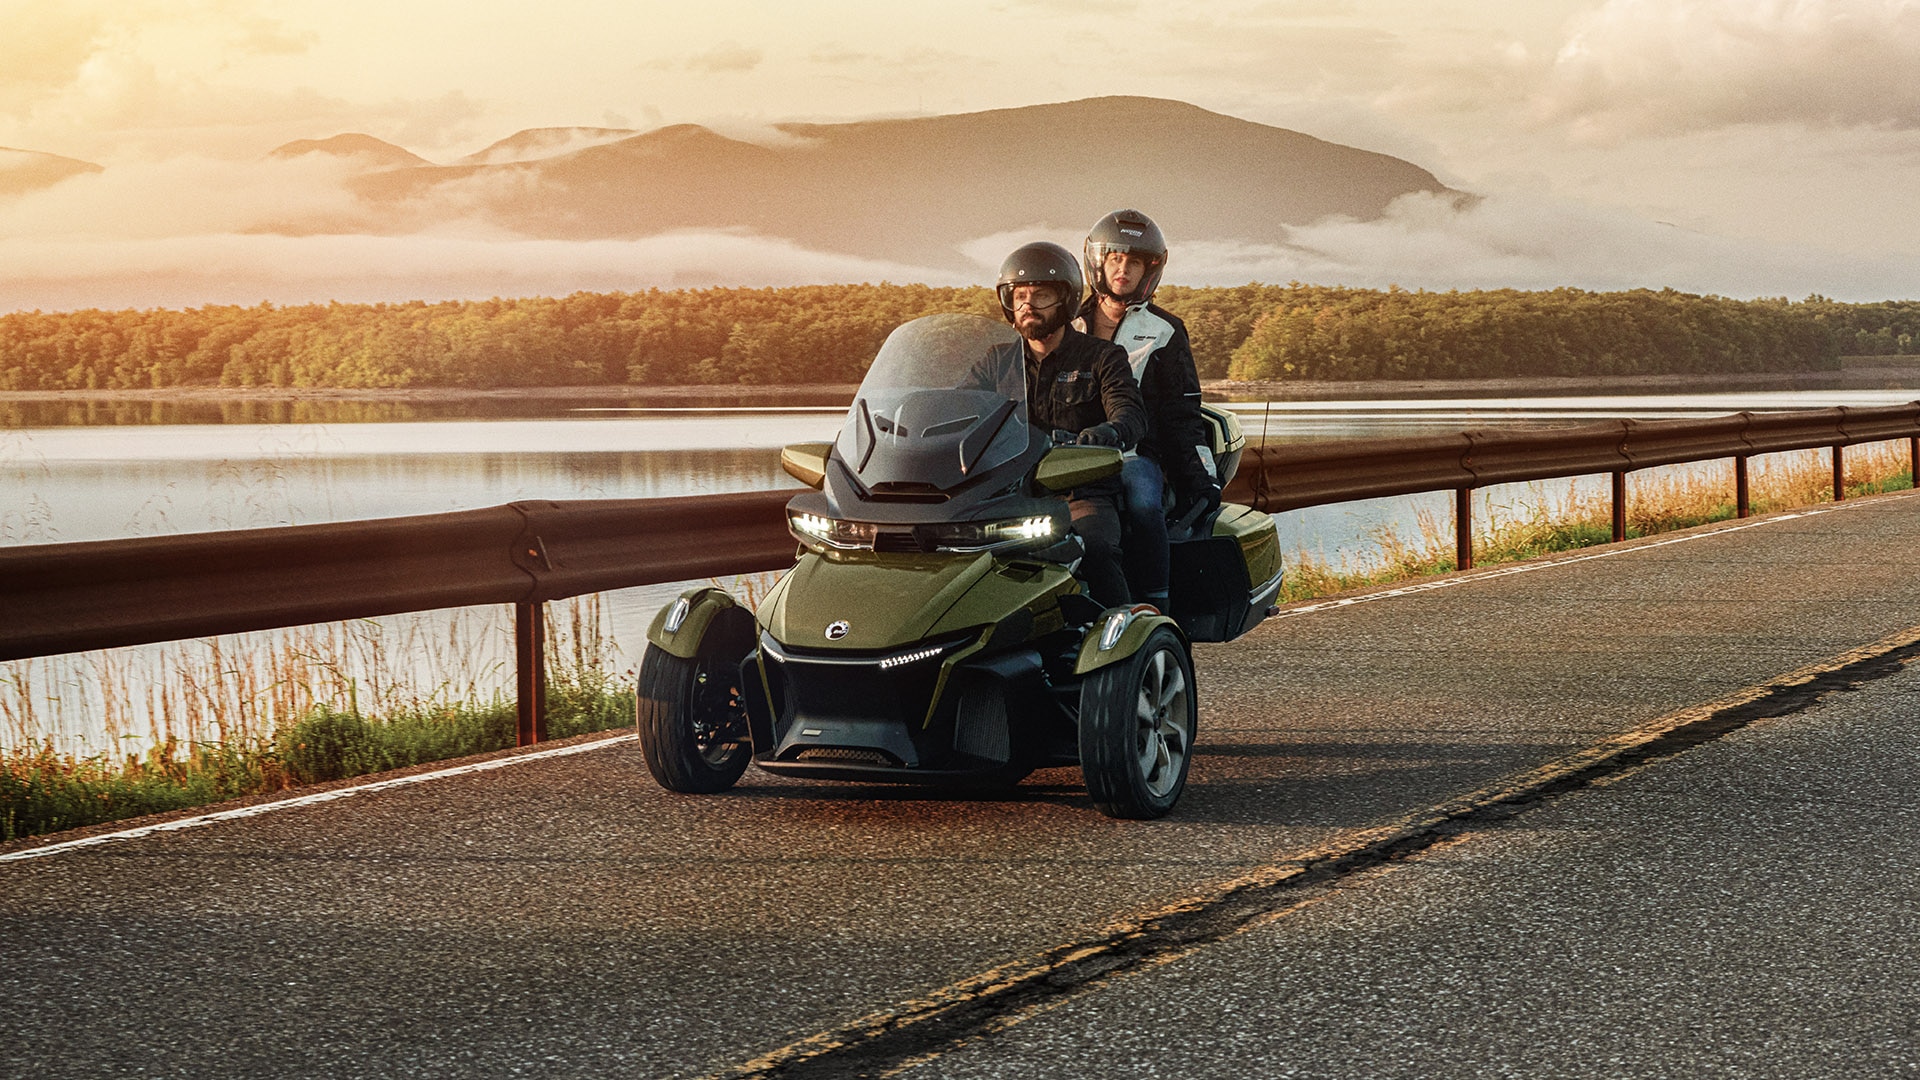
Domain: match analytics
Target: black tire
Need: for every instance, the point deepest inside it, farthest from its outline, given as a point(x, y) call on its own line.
point(691, 723)
point(1137, 720)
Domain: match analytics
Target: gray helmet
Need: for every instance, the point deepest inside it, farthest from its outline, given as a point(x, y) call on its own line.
point(1126, 231)
point(1038, 262)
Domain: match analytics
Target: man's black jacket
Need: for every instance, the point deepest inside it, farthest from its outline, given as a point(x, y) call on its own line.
point(1084, 382)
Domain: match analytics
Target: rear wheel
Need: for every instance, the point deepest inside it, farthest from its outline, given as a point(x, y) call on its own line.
point(691, 721)
point(1137, 719)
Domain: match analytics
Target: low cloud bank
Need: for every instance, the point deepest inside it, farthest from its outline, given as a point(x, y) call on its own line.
point(237, 269)
point(187, 197)
point(187, 232)
point(184, 234)
point(1520, 242)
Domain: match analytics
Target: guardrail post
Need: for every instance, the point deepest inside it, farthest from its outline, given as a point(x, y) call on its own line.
point(1742, 495)
point(1619, 504)
point(1913, 461)
point(530, 665)
point(1463, 528)
point(1839, 475)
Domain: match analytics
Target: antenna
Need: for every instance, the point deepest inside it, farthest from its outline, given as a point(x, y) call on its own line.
point(1266, 421)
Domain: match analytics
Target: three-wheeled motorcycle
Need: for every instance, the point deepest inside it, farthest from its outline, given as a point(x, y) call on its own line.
point(932, 629)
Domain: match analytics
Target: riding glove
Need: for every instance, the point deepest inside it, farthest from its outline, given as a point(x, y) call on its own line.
point(1101, 435)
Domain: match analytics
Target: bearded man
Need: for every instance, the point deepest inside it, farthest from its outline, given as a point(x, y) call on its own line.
point(1077, 384)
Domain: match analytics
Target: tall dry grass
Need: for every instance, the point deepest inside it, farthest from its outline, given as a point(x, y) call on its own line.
point(199, 721)
point(241, 687)
point(1566, 518)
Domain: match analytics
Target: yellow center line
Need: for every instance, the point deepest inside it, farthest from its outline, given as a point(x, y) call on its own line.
point(1420, 832)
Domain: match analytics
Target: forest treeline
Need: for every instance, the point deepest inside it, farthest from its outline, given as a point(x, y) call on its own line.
point(829, 333)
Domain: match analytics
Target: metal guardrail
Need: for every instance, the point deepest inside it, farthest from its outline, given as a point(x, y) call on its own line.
point(103, 594)
point(1290, 476)
point(58, 598)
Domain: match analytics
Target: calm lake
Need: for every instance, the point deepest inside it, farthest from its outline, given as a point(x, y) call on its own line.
point(86, 472)
point(147, 470)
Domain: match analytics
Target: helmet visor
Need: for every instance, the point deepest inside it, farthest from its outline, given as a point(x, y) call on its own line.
point(1125, 271)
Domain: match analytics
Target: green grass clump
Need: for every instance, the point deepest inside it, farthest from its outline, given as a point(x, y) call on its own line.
point(583, 699)
point(330, 744)
point(43, 790)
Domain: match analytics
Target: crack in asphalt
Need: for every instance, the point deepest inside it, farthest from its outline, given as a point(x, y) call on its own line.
point(919, 1031)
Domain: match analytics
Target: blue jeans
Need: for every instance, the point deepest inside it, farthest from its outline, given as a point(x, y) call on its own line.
point(1145, 520)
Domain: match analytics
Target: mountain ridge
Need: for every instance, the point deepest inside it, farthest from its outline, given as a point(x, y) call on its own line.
point(530, 144)
point(353, 144)
point(924, 193)
point(22, 171)
point(916, 190)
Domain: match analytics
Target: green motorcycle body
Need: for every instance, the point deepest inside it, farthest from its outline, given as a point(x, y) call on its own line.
point(932, 629)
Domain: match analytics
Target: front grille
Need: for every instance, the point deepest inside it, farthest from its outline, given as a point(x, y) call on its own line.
point(895, 540)
point(839, 753)
point(907, 491)
point(828, 691)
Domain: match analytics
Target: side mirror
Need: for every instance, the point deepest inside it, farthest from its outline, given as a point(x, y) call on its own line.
point(1068, 467)
point(806, 462)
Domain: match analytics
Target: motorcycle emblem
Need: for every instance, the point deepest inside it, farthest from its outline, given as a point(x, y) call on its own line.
point(837, 629)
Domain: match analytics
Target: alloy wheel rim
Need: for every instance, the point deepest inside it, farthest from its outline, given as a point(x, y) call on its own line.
point(1162, 715)
point(713, 711)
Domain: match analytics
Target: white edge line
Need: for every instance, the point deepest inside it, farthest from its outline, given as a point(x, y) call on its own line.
point(307, 800)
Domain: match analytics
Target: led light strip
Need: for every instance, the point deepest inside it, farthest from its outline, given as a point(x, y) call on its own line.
point(923, 654)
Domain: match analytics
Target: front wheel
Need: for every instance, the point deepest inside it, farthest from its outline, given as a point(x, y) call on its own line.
point(1137, 719)
point(691, 722)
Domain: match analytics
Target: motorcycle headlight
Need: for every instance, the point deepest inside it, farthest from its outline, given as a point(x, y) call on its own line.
point(814, 529)
point(984, 535)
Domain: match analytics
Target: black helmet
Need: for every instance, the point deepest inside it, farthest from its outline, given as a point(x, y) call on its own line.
point(1126, 231)
point(1038, 262)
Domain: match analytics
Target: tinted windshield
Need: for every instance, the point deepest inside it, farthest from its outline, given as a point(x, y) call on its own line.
point(948, 352)
point(945, 399)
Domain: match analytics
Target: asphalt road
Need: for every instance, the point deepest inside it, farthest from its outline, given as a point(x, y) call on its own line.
point(1743, 910)
point(1739, 902)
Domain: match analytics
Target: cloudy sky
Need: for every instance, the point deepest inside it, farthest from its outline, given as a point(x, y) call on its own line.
point(1744, 147)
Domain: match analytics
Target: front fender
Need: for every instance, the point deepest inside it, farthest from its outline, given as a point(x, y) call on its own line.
point(706, 609)
point(1139, 621)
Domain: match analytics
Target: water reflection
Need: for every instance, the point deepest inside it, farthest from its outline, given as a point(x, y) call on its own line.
point(97, 499)
point(1306, 421)
point(87, 482)
point(616, 434)
point(213, 408)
